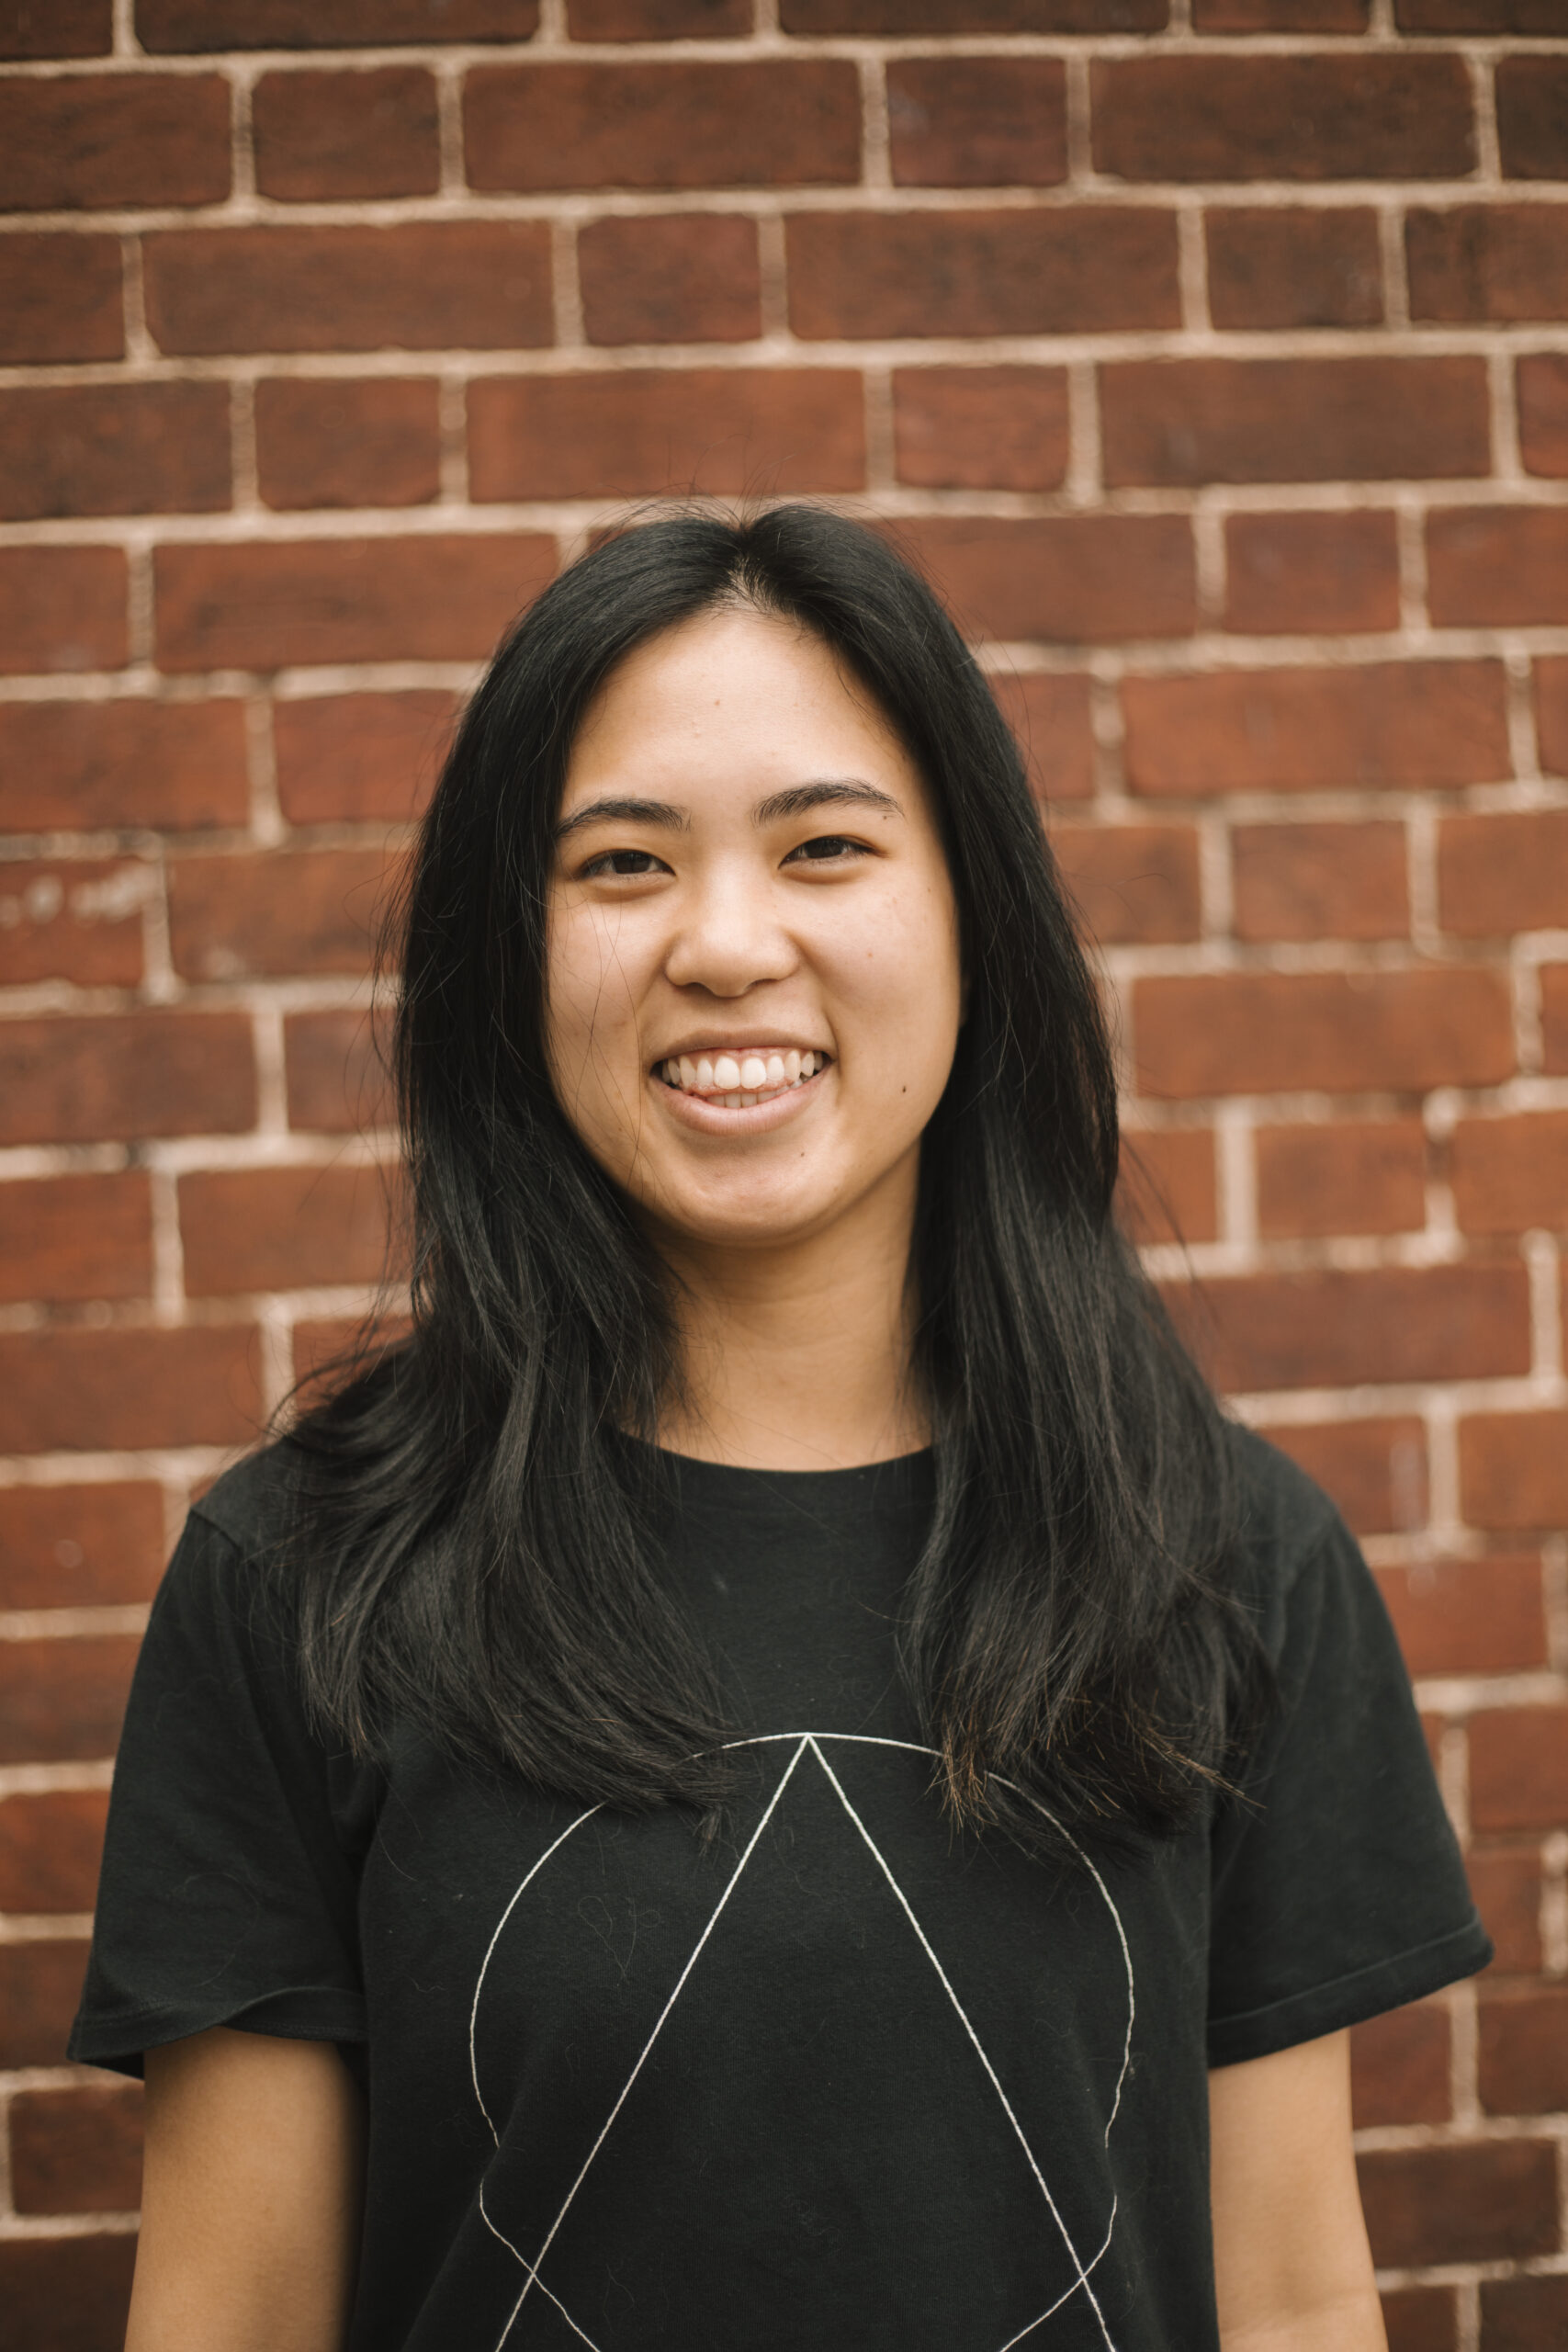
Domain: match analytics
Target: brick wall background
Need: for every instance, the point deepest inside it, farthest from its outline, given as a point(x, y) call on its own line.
point(1213, 356)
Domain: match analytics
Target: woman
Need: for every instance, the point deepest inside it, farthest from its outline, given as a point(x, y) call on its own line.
point(776, 1776)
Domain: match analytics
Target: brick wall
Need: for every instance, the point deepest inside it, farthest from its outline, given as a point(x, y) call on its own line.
point(1213, 356)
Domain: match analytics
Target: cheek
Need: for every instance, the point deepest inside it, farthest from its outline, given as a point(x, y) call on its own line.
point(590, 990)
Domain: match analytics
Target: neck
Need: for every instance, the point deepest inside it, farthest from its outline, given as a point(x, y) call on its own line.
point(796, 1354)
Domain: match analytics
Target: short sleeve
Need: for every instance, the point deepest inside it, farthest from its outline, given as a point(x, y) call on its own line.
point(228, 1893)
point(1338, 1890)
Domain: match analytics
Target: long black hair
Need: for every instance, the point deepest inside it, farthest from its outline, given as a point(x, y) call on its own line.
point(482, 1555)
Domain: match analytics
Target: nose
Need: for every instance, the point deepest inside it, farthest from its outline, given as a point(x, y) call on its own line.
point(729, 938)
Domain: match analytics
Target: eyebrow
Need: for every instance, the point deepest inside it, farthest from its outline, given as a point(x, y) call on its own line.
point(798, 801)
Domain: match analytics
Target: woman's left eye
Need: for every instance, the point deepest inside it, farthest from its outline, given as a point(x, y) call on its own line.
point(632, 862)
point(826, 849)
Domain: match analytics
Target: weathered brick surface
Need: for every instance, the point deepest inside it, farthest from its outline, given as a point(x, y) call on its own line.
point(62, 1699)
point(978, 122)
point(77, 1236)
point(1324, 881)
point(297, 911)
point(60, 298)
point(334, 444)
point(99, 142)
point(1498, 262)
point(1293, 420)
point(325, 136)
point(63, 609)
point(1541, 389)
point(1259, 1034)
point(1367, 1176)
point(1375, 1470)
point(1469, 1616)
point(1498, 565)
point(129, 1388)
point(693, 125)
point(40, 1983)
point(1514, 1469)
point(1293, 574)
point(1505, 1883)
point(171, 26)
point(114, 449)
point(349, 756)
point(69, 2292)
point(1286, 267)
point(1456, 2204)
point(1502, 873)
point(283, 1229)
point(336, 1073)
point(77, 920)
point(1074, 577)
point(981, 428)
point(672, 277)
point(76, 766)
point(1318, 118)
point(1050, 717)
point(80, 1547)
point(60, 28)
point(1399, 2067)
point(1167, 1191)
point(1524, 2314)
point(1332, 1330)
point(77, 2150)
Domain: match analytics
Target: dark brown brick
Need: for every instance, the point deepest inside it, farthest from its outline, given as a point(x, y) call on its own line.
point(1493, 263)
point(278, 912)
point(1076, 578)
point(787, 123)
point(1263, 1032)
point(1505, 1883)
point(167, 27)
point(114, 449)
point(77, 2150)
point(1132, 882)
point(424, 286)
point(284, 1229)
point(1399, 2067)
point(1049, 715)
point(50, 1846)
point(64, 1699)
point(63, 609)
point(343, 443)
point(1189, 421)
point(67, 2294)
point(76, 920)
point(1375, 1470)
point(981, 428)
point(673, 278)
point(60, 298)
point(1360, 1176)
point(1504, 872)
point(97, 140)
point(1524, 2314)
point(353, 756)
point(1166, 1190)
point(1337, 1330)
point(79, 1547)
point(1477, 17)
point(337, 1073)
point(73, 767)
point(1523, 2050)
point(1542, 391)
point(258, 607)
point(123, 1075)
point(40, 1983)
point(1511, 1174)
point(915, 18)
point(1296, 574)
point(1320, 881)
point(1325, 117)
point(1494, 2201)
point(76, 1236)
point(56, 27)
point(1514, 1469)
point(1468, 1616)
point(1092, 270)
point(1552, 714)
point(1289, 267)
point(325, 137)
point(1279, 16)
point(84, 1389)
point(978, 122)
point(1518, 1768)
point(1397, 725)
point(660, 19)
point(644, 431)
point(1420, 2319)
point(1532, 116)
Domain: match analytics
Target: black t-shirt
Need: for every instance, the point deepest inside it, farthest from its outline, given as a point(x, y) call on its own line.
point(838, 2077)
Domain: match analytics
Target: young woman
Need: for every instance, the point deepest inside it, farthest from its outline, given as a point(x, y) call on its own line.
point(776, 1776)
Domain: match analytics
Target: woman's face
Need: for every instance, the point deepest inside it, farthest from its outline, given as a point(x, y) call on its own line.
point(753, 964)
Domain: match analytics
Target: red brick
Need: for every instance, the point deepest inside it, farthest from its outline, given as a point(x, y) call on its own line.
point(102, 140)
point(1511, 1174)
point(1395, 724)
point(49, 1849)
point(1266, 1033)
point(345, 444)
point(673, 278)
point(73, 767)
point(1477, 16)
point(1468, 1616)
point(1360, 1176)
point(1502, 873)
point(40, 1983)
point(1494, 2200)
point(1324, 881)
point(77, 2150)
point(660, 19)
point(1279, 16)
point(76, 1236)
point(793, 123)
point(114, 449)
point(353, 756)
point(284, 1229)
point(1131, 882)
point(1301, 574)
point(321, 137)
point(1532, 116)
point(640, 431)
point(1286, 267)
point(1497, 566)
point(1496, 263)
point(981, 428)
point(61, 297)
point(73, 922)
point(1328, 1330)
point(126, 1075)
point(65, 1390)
point(1518, 1768)
point(325, 1349)
point(1554, 1017)
point(1076, 578)
point(67, 2294)
point(1049, 715)
point(1420, 2319)
point(978, 122)
point(1552, 714)
point(1189, 420)
point(1085, 271)
point(63, 1698)
point(916, 18)
point(1514, 1469)
point(1524, 2314)
point(422, 285)
point(1360, 117)
point(182, 26)
point(338, 1081)
point(1505, 1883)
point(1541, 386)
point(79, 1547)
point(63, 609)
point(279, 911)
point(1523, 2050)
point(441, 598)
point(1376, 1470)
point(1399, 2067)
point(1167, 1188)
point(57, 29)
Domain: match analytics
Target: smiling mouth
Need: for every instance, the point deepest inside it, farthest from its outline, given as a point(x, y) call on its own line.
point(735, 1081)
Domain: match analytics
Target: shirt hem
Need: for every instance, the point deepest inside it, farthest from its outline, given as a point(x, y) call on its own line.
point(1349, 2000)
point(118, 2040)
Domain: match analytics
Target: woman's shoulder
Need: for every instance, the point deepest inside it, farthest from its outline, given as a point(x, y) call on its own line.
point(1286, 1522)
point(255, 1505)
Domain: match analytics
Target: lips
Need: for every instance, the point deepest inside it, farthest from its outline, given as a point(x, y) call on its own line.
point(739, 1078)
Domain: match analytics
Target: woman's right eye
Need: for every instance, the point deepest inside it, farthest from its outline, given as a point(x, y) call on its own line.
point(631, 861)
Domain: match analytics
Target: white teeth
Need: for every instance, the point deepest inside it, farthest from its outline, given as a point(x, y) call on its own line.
point(775, 1070)
point(732, 1101)
point(705, 1075)
point(790, 1069)
point(688, 1070)
point(736, 1080)
point(726, 1073)
point(753, 1073)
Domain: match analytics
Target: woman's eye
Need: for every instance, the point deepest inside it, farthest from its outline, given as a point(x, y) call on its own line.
point(826, 849)
point(632, 862)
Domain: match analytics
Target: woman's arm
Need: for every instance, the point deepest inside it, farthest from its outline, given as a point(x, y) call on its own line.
point(1292, 2268)
point(251, 2196)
